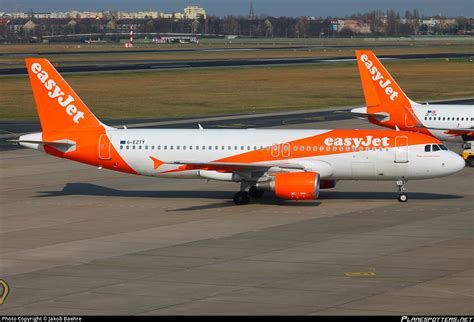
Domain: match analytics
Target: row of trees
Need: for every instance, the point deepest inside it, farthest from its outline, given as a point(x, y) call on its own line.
point(375, 23)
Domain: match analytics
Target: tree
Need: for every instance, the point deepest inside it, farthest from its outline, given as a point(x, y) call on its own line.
point(231, 26)
point(300, 28)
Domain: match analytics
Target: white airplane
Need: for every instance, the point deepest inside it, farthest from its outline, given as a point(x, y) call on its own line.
point(295, 164)
point(388, 106)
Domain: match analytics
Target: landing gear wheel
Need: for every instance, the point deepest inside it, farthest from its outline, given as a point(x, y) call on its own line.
point(255, 193)
point(241, 198)
point(403, 197)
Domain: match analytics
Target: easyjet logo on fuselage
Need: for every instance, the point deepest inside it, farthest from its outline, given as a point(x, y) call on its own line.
point(369, 140)
point(54, 91)
point(378, 77)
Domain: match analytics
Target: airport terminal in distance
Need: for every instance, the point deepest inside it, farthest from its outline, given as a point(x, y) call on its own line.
point(291, 217)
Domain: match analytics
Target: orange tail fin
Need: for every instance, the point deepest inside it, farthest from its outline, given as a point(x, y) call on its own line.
point(382, 93)
point(59, 107)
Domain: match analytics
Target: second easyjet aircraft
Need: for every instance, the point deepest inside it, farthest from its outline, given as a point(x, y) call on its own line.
point(388, 106)
point(295, 164)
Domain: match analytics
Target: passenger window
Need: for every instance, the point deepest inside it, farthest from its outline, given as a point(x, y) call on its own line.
point(121, 147)
point(210, 147)
point(301, 148)
point(133, 147)
point(184, 147)
point(197, 147)
point(190, 147)
point(295, 148)
point(436, 148)
point(248, 148)
point(308, 148)
point(428, 148)
point(146, 147)
point(177, 147)
point(171, 147)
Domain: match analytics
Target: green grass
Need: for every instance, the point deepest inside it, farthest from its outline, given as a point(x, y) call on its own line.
point(239, 90)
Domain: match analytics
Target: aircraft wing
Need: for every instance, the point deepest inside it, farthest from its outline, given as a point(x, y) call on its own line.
point(233, 165)
point(447, 129)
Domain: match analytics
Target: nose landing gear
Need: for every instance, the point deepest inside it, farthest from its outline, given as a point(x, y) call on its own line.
point(402, 196)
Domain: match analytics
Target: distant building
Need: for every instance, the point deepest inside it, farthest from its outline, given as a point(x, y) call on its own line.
point(139, 15)
point(194, 12)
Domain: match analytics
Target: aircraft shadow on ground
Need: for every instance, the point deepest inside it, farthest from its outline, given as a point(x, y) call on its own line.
point(87, 189)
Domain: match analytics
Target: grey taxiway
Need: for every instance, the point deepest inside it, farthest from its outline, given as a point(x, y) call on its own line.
point(78, 240)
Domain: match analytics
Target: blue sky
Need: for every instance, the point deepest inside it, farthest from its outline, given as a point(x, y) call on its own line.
point(271, 7)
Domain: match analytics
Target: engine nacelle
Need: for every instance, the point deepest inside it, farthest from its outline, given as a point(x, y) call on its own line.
point(293, 185)
point(327, 184)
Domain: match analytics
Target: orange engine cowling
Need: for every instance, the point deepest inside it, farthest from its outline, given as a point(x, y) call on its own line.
point(293, 185)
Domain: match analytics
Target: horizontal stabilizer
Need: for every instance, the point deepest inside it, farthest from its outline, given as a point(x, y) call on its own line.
point(361, 112)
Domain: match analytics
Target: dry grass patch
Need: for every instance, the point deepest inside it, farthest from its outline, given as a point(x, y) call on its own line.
point(238, 90)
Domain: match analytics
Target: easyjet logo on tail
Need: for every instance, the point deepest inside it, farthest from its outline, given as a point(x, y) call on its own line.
point(379, 78)
point(55, 92)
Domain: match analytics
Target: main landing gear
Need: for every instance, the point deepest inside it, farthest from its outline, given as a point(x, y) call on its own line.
point(402, 196)
point(243, 197)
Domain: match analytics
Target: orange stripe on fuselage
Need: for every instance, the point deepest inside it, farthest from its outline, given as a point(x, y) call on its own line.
point(265, 155)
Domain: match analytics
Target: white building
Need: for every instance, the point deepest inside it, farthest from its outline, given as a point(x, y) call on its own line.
point(138, 15)
point(430, 22)
point(194, 12)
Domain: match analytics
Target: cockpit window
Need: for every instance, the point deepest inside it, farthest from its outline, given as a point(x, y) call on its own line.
point(436, 148)
point(428, 148)
point(443, 147)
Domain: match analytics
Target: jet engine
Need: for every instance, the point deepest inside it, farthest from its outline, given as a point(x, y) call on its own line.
point(327, 184)
point(293, 185)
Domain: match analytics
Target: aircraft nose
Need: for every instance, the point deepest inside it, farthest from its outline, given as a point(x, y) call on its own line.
point(454, 163)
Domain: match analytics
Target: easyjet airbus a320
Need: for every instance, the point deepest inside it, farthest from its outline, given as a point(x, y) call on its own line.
point(388, 106)
point(294, 164)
